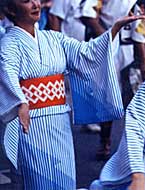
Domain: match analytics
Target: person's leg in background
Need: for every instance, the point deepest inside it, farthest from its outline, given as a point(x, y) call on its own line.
point(16, 178)
point(103, 152)
point(127, 93)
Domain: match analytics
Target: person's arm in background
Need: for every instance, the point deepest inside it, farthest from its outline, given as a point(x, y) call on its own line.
point(91, 20)
point(55, 22)
point(58, 13)
point(94, 24)
point(140, 49)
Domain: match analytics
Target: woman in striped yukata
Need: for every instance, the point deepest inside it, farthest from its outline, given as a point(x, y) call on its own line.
point(38, 139)
point(125, 170)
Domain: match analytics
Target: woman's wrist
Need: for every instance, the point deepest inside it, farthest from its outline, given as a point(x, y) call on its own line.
point(115, 29)
point(138, 176)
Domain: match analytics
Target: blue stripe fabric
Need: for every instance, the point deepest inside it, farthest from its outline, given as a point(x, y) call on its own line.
point(129, 157)
point(92, 73)
point(46, 155)
point(95, 86)
point(11, 138)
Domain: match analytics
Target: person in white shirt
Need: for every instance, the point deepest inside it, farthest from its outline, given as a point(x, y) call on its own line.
point(63, 14)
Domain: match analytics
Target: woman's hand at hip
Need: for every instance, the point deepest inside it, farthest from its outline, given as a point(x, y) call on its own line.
point(24, 117)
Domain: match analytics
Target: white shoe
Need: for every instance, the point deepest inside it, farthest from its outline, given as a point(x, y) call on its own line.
point(94, 127)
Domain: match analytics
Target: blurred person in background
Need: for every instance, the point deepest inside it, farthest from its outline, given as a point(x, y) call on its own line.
point(2, 30)
point(4, 23)
point(63, 18)
point(43, 22)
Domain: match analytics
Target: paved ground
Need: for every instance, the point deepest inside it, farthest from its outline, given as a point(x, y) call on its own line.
point(86, 145)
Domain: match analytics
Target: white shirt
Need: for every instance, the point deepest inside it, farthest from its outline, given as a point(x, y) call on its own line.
point(114, 9)
point(70, 12)
point(71, 26)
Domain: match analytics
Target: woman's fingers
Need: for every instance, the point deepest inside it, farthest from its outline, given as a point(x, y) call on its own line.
point(129, 19)
point(123, 21)
point(24, 117)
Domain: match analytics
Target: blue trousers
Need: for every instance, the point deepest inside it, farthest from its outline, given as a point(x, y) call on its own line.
point(96, 185)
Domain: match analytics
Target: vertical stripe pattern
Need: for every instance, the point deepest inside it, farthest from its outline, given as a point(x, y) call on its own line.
point(46, 154)
point(129, 157)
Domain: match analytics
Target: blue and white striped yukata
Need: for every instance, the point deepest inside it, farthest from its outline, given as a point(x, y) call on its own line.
point(46, 154)
point(129, 157)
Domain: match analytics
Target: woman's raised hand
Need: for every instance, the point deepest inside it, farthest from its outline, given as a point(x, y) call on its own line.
point(124, 21)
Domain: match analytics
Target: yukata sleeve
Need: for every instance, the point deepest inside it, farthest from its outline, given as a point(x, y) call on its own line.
point(135, 131)
point(11, 95)
point(94, 85)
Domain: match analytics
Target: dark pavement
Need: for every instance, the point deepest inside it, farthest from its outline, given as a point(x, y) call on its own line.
point(86, 145)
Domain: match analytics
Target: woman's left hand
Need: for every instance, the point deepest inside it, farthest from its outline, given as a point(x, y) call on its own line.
point(23, 114)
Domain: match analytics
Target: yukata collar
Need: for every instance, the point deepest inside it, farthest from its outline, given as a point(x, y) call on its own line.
point(27, 33)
